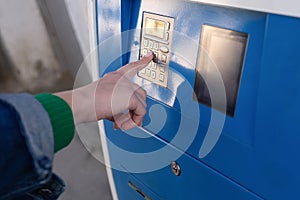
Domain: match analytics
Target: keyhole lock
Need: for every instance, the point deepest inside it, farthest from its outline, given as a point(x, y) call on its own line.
point(175, 168)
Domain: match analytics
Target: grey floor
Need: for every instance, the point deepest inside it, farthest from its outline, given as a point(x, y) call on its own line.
point(81, 166)
point(84, 176)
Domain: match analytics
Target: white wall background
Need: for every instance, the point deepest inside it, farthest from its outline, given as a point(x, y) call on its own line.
point(78, 10)
point(25, 38)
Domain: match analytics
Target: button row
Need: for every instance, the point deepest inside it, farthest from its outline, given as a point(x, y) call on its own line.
point(151, 44)
point(163, 57)
point(154, 45)
point(154, 66)
point(152, 74)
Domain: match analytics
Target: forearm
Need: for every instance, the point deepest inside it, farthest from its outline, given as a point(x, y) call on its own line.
point(82, 103)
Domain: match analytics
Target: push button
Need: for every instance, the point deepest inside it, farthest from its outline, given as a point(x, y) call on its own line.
point(153, 74)
point(154, 65)
point(163, 58)
point(167, 26)
point(148, 72)
point(161, 77)
point(162, 69)
point(143, 71)
point(164, 49)
point(151, 44)
point(155, 59)
point(145, 51)
point(167, 36)
point(145, 43)
point(155, 46)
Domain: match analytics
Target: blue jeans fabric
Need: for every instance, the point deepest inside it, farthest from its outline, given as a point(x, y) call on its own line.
point(26, 150)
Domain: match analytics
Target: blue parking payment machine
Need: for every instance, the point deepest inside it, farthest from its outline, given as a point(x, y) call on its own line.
point(223, 95)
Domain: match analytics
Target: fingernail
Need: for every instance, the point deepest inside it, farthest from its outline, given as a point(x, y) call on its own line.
point(115, 126)
point(149, 54)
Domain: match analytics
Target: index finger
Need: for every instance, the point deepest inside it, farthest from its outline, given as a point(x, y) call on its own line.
point(131, 69)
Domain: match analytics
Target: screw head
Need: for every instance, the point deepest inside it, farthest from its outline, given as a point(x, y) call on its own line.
point(175, 168)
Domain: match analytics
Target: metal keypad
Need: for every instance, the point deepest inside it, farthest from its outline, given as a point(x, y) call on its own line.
point(157, 70)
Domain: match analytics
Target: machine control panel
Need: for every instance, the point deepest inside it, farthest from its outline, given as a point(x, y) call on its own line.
point(156, 36)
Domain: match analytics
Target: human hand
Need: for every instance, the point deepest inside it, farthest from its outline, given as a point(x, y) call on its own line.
point(113, 97)
point(120, 100)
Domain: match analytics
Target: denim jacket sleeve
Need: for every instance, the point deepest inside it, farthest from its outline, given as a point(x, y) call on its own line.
point(26, 148)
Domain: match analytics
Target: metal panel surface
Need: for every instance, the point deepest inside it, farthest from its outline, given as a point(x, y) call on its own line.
point(256, 149)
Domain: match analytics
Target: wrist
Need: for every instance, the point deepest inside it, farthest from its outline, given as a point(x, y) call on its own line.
point(81, 102)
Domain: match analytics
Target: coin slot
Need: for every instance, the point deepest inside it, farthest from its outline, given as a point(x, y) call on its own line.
point(134, 187)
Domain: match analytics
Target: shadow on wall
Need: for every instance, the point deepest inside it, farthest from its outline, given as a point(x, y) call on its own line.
point(34, 78)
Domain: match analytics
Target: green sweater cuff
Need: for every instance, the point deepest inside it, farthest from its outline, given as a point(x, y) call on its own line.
point(61, 118)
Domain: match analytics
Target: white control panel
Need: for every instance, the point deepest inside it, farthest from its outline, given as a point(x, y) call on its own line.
point(156, 36)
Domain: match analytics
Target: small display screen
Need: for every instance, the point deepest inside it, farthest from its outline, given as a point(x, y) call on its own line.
point(154, 27)
point(222, 50)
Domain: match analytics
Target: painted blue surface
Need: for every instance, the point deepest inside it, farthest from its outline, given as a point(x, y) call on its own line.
point(257, 153)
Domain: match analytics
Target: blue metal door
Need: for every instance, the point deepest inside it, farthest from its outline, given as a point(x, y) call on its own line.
point(256, 155)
